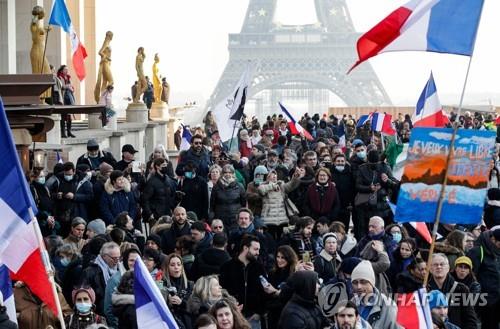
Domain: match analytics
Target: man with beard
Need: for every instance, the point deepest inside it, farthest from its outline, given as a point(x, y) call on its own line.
point(196, 154)
point(240, 277)
point(347, 317)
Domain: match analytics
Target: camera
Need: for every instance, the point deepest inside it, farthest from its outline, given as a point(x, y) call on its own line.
point(172, 291)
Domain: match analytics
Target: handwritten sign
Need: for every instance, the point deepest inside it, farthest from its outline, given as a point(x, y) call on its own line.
point(423, 176)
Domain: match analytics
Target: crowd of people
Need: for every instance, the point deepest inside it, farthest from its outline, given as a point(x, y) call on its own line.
point(246, 239)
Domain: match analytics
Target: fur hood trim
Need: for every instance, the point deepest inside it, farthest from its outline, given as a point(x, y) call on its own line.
point(110, 189)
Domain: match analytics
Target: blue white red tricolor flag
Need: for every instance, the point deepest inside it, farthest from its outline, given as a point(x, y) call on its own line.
point(19, 244)
point(186, 138)
point(295, 127)
point(428, 112)
point(151, 309)
point(60, 16)
point(383, 123)
point(414, 311)
point(363, 119)
point(424, 25)
point(58, 157)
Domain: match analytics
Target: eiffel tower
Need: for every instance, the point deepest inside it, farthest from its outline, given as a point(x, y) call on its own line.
point(299, 61)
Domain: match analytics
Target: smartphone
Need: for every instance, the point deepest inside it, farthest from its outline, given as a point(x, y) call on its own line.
point(306, 257)
point(263, 281)
point(136, 166)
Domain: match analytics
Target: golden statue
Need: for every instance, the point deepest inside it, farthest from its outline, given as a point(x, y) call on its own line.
point(104, 76)
point(141, 79)
point(156, 80)
point(39, 63)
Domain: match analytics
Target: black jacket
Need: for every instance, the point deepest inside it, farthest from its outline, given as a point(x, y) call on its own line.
point(486, 265)
point(369, 174)
point(93, 277)
point(301, 312)
point(225, 201)
point(209, 262)
point(243, 283)
point(102, 157)
point(196, 196)
point(158, 197)
point(458, 314)
point(169, 237)
point(67, 209)
point(344, 182)
point(200, 159)
point(5, 322)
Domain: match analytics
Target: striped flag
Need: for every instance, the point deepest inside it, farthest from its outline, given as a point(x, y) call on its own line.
point(414, 311)
point(150, 306)
point(186, 138)
point(59, 158)
point(428, 112)
point(6, 293)
point(60, 16)
point(383, 123)
point(295, 127)
point(363, 120)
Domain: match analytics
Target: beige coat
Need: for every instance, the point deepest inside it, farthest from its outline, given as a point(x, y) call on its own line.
point(273, 200)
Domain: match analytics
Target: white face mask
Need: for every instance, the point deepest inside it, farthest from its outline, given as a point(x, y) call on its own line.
point(340, 168)
point(89, 174)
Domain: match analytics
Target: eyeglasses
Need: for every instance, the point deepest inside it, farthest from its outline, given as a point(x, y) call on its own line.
point(439, 265)
point(116, 259)
point(217, 227)
point(197, 143)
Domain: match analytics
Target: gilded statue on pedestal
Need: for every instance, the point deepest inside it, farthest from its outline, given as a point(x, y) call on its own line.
point(104, 75)
point(142, 84)
point(157, 80)
point(39, 63)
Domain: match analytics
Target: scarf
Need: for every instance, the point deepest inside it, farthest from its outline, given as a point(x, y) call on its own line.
point(107, 271)
point(321, 197)
point(226, 182)
point(249, 230)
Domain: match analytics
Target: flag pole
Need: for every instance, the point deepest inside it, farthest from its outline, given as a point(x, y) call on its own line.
point(232, 135)
point(445, 181)
point(48, 269)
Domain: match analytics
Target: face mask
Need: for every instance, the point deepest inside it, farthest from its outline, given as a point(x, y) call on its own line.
point(361, 155)
point(189, 174)
point(89, 175)
point(83, 307)
point(68, 177)
point(340, 168)
point(396, 237)
point(41, 180)
point(258, 181)
point(65, 261)
point(93, 154)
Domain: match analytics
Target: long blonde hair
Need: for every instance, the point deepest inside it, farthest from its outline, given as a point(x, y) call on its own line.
point(166, 273)
point(202, 287)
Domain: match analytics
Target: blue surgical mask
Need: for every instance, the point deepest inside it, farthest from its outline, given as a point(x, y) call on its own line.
point(361, 155)
point(83, 307)
point(41, 180)
point(65, 261)
point(189, 174)
point(258, 181)
point(396, 237)
point(68, 177)
point(340, 168)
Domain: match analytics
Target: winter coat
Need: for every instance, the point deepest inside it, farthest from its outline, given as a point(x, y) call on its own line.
point(78, 321)
point(93, 277)
point(383, 313)
point(124, 310)
point(67, 209)
point(45, 205)
point(326, 265)
point(301, 312)
point(273, 201)
point(459, 312)
point(196, 306)
point(5, 322)
point(225, 201)
point(32, 313)
point(369, 174)
point(243, 283)
point(492, 213)
point(114, 202)
point(158, 197)
point(322, 201)
point(254, 199)
point(486, 266)
point(200, 159)
point(407, 283)
point(297, 195)
point(98, 189)
point(344, 183)
point(196, 196)
point(209, 262)
point(113, 282)
point(386, 239)
point(102, 157)
point(170, 236)
point(380, 263)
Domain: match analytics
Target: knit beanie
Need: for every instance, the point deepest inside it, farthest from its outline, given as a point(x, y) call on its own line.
point(364, 271)
point(328, 236)
point(437, 299)
point(260, 170)
point(98, 226)
point(88, 290)
point(105, 168)
point(155, 238)
point(78, 221)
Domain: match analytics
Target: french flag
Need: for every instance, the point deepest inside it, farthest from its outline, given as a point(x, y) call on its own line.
point(186, 138)
point(364, 119)
point(442, 26)
point(414, 311)
point(60, 17)
point(20, 237)
point(295, 128)
point(6, 293)
point(151, 309)
point(428, 112)
point(383, 123)
point(420, 227)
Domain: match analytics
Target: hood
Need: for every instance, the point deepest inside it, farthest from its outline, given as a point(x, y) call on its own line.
point(304, 284)
point(447, 249)
point(101, 178)
point(108, 187)
point(489, 247)
point(122, 299)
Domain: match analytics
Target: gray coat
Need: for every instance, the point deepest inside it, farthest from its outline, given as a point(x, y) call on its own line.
point(383, 313)
point(273, 202)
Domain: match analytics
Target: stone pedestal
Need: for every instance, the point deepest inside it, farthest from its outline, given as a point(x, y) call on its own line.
point(160, 111)
point(137, 112)
point(94, 121)
point(54, 135)
point(170, 134)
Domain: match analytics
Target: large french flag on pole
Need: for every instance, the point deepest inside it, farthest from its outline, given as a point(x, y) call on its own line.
point(151, 309)
point(186, 138)
point(60, 17)
point(295, 127)
point(442, 26)
point(428, 112)
point(383, 123)
point(19, 242)
point(414, 311)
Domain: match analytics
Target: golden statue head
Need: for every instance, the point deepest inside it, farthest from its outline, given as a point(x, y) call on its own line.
point(38, 11)
point(157, 58)
point(109, 35)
